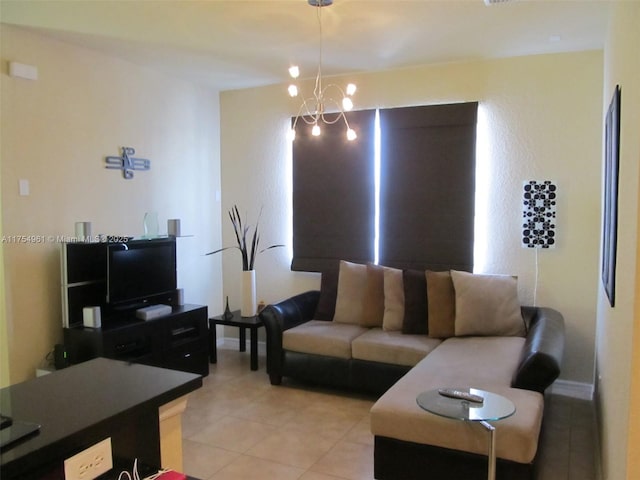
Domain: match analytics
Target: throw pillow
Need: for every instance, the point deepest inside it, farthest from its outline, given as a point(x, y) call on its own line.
point(326, 307)
point(487, 305)
point(415, 302)
point(351, 286)
point(373, 300)
point(441, 304)
point(393, 300)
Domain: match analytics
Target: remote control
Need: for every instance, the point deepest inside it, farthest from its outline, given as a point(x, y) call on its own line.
point(459, 394)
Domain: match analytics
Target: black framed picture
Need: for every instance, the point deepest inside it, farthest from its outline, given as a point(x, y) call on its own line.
point(610, 218)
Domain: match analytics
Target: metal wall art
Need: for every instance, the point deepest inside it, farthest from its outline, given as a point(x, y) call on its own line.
point(126, 163)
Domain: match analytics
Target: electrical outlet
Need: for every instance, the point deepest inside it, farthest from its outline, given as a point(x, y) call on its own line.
point(90, 463)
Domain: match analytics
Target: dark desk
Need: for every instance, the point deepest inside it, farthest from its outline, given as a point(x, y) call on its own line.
point(236, 320)
point(83, 404)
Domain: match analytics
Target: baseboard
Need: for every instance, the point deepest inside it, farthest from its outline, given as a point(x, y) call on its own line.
point(579, 390)
point(235, 343)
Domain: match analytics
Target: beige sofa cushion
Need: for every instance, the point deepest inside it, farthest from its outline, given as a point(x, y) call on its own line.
point(397, 415)
point(393, 300)
point(352, 281)
point(396, 348)
point(487, 305)
point(474, 360)
point(321, 337)
point(479, 362)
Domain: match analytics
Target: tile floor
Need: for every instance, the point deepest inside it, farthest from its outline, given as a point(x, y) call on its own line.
point(238, 426)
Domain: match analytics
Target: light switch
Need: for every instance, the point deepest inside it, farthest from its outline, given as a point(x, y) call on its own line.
point(22, 70)
point(24, 187)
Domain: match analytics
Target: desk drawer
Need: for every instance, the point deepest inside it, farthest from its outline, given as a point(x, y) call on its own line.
point(186, 360)
point(186, 329)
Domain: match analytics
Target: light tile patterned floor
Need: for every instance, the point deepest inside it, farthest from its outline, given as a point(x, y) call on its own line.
point(239, 427)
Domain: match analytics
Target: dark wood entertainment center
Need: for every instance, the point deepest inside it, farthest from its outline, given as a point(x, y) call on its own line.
point(119, 277)
point(178, 340)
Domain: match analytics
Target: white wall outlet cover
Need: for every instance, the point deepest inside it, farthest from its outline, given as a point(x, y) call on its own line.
point(90, 463)
point(23, 186)
point(21, 70)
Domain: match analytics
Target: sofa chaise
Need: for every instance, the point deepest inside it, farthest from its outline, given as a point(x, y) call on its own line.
point(518, 360)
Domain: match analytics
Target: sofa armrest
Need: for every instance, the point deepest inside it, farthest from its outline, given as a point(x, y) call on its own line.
point(282, 316)
point(542, 353)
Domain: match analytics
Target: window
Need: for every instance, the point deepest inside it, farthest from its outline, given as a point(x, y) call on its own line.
point(333, 195)
point(426, 197)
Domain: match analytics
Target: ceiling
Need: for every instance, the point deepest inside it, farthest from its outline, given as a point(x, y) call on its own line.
point(237, 44)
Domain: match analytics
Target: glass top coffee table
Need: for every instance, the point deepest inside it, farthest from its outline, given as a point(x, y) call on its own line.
point(494, 407)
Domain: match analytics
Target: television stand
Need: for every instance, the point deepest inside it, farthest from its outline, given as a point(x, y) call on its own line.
point(178, 340)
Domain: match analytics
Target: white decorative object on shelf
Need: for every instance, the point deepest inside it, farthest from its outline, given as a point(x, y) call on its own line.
point(173, 227)
point(83, 231)
point(151, 227)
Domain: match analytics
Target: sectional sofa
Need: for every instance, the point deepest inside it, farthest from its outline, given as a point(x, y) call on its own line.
point(384, 337)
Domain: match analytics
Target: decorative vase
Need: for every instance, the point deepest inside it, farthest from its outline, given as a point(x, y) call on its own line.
point(151, 227)
point(228, 315)
point(249, 304)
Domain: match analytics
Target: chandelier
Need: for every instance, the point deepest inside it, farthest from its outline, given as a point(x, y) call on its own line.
point(313, 110)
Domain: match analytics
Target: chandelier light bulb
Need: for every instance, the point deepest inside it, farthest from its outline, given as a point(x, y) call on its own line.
point(351, 134)
point(294, 71)
point(347, 104)
point(315, 131)
point(293, 90)
point(351, 89)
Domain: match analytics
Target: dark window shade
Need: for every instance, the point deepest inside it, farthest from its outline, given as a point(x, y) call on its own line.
point(427, 190)
point(333, 194)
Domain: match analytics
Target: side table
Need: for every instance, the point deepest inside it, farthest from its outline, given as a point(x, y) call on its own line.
point(236, 320)
point(495, 407)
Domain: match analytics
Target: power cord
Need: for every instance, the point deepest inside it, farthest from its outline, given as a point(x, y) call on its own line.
point(134, 475)
point(535, 286)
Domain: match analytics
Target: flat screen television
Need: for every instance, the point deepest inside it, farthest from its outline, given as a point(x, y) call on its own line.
point(140, 270)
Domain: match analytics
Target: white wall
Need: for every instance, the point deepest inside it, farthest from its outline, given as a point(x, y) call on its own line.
point(543, 118)
point(56, 132)
point(618, 329)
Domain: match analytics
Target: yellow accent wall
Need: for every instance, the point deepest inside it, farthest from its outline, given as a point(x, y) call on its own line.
point(541, 119)
point(4, 342)
point(618, 329)
point(56, 132)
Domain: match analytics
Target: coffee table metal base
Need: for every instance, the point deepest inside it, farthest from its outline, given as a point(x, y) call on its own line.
point(491, 474)
point(494, 407)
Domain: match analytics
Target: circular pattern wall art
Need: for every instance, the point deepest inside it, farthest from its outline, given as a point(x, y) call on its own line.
point(539, 214)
